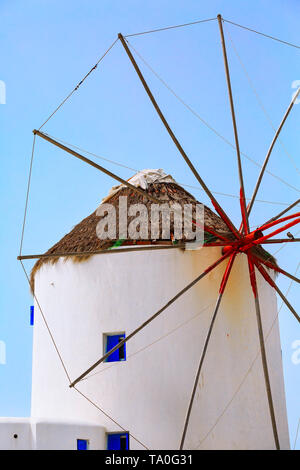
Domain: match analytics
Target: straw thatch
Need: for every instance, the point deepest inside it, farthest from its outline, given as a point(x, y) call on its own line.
point(83, 237)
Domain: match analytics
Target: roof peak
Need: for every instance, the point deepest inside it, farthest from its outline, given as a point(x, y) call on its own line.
point(142, 179)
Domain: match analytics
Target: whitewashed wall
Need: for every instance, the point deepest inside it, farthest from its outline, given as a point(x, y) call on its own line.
point(32, 434)
point(149, 393)
point(9, 427)
point(58, 435)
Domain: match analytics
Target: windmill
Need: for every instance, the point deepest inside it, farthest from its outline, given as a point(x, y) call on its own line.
point(232, 242)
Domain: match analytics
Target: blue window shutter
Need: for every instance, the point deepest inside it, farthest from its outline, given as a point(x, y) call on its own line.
point(119, 354)
point(82, 444)
point(31, 315)
point(118, 441)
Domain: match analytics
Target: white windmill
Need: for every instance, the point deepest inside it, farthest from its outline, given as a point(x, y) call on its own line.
point(154, 339)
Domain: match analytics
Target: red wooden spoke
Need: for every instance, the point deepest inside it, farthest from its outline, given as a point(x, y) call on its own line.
point(225, 218)
point(268, 278)
point(284, 211)
point(276, 268)
point(252, 275)
point(241, 226)
point(265, 237)
point(245, 222)
point(227, 272)
point(212, 232)
point(278, 221)
point(272, 223)
point(264, 273)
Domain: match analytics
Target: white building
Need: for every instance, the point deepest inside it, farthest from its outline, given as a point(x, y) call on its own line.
point(147, 392)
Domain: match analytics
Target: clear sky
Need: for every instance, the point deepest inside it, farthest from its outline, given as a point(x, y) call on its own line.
point(46, 48)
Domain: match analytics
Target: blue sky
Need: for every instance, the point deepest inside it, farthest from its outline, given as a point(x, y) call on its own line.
point(47, 47)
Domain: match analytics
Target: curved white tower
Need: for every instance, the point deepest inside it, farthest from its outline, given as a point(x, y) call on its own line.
point(148, 392)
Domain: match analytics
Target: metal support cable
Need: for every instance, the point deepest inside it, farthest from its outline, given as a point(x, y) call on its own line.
point(109, 417)
point(274, 38)
point(177, 144)
point(217, 133)
point(121, 165)
point(181, 325)
point(63, 364)
point(259, 101)
point(263, 34)
point(296, 437)
point(27, 194)
point(47, 326)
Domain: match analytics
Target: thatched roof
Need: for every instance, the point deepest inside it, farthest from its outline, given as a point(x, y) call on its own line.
point(83, 237)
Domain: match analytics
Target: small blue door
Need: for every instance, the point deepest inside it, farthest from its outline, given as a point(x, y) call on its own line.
point(118, 441)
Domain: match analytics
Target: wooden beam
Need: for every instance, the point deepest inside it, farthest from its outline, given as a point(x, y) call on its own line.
point(246, 229)
point(216, 205)
point(95, 165)
point(126, 249)
point(263, 350)
point(221, 292)
point(283, 212)
point(101, 252)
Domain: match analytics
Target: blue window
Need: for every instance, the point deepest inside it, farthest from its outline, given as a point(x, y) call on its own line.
point(118, 441)
point(110, 341)
point(31, 315)
point(82, 444)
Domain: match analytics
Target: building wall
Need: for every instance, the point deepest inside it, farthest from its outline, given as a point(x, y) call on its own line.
point(30, 434)
point(148, 394)
point(63, 435)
